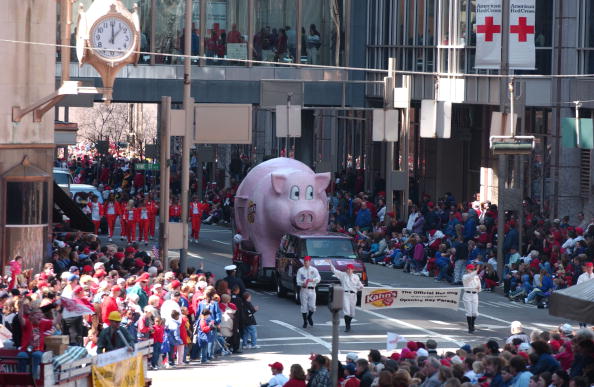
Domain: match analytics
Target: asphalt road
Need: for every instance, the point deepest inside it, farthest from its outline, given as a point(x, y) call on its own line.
point(282, 338)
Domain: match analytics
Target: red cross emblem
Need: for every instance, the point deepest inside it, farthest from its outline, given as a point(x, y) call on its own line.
point(522, 29)
point(489, 29)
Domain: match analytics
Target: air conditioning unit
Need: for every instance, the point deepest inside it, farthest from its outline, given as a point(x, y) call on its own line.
point(508, 145)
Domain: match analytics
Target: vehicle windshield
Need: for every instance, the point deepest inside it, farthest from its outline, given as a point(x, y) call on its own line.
point(329, 247)
point(61, 178)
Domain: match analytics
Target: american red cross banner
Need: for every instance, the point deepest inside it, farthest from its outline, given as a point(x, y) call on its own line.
point(521, 34)
point(488, 34)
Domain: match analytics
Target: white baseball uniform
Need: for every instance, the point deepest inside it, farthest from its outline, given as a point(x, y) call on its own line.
point(472, 287)
point(351, 284)
point(307, 280)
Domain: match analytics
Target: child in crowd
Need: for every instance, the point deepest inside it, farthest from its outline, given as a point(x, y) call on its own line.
point(205, 334)
point(157, 334)
point(250, 333)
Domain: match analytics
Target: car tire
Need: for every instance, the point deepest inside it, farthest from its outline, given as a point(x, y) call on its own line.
point(296, 295)
point(280, 289)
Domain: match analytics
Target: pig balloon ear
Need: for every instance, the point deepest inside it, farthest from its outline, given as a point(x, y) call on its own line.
point(278, 182)
point(322, 181)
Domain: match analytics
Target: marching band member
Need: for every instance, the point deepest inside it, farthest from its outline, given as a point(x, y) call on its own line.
point(96, 212)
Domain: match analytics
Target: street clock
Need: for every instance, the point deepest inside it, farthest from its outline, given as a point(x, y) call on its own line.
point(108, 38)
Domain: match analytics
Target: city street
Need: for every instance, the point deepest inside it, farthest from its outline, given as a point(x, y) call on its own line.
point(282, 338)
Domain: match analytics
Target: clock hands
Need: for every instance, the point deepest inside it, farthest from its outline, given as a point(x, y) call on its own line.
point(112, 35)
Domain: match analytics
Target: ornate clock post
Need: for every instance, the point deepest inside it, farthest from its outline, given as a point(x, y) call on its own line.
point(108, 38)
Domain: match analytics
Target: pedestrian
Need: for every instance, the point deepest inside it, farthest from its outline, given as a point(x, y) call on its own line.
point(206, 338)
point(157, 334)
point(111, 210)
point(364, 373)
point(175, 211)
point(320, 377)
point(130, 216)
point(172, 334)
point(351, 285)
point(278, 379)
point(232, 278)
point(517, 332)
point(96, 212)
point(350, 376)
point(250, 333)
point(196, 211)
point(114, 336)
point(308, 278)
point(153, 208)
point(143, 222)
point(472, 287)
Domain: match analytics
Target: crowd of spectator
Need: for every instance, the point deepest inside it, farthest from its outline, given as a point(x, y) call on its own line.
point(439, 238)
point(189, 316)
point(558, 358)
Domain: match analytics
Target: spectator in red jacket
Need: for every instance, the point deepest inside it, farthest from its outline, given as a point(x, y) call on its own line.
point(109, 304)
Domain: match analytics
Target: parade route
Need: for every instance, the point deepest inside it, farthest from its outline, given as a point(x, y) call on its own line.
point(281, 337)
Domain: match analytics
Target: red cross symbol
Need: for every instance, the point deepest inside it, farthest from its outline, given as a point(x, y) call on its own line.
point(488, 29)
point(522, 29)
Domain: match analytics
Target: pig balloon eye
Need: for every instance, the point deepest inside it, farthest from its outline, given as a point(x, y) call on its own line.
point(294, 195)
point(309, 193)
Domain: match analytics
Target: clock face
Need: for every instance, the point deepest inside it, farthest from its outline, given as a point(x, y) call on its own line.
point(112, 38)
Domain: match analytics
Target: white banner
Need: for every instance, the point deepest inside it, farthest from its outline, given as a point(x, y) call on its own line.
point(488, 34)
point(392, 340)
point(521, 34)
point(388, 298)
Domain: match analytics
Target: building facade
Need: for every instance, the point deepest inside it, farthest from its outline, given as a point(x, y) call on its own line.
point(26, 145)
point(440, 36)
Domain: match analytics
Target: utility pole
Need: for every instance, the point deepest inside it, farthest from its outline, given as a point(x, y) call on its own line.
point(188, 104)
point(389, 83)
point(164, 179)
point(502, 159)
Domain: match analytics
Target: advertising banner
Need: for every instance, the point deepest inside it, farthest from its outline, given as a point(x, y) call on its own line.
point(388, 298)
point(125, 373)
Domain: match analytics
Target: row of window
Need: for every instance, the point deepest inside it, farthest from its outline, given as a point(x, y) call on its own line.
point(275, 30)
point(412, 30)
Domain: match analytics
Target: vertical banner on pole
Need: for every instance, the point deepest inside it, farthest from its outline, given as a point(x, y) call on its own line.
point(436, 119)
point(488, 34)
point(522, 51)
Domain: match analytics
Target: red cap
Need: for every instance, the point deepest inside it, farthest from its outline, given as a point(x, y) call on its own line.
point(130, 249)
point(412, 345)
point(445, 362)
point(100, 273)
point(144, 276)
point(87, 268)
point(395, 356)
point(555, 345)
point(307, 258)
point(77, 289)
point(118, 255)
point(579, 230)
point(116, 288)
point(524, 355)
point(350, 266)
point(470, 267)
point(276, 366)
point(588, 264)
point(86, 250)
point(175, 284)
point(139, 262)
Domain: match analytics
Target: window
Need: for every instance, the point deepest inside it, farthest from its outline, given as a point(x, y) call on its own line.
point(26, 203)
point(586, 37)
point(329, 247)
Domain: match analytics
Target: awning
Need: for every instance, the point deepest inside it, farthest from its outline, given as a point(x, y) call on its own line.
point(78, 220)
point(574, 303)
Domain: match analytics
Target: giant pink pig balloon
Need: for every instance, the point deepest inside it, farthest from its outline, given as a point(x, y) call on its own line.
point(279, 196)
